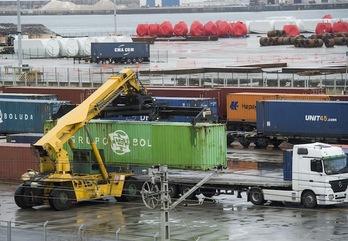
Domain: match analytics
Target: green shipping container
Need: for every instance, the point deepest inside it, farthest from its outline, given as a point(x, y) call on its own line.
point(143, 144)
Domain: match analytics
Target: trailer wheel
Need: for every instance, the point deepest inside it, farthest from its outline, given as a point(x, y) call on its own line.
point(256, 196)
point(208, 192)
point(309, 200)
point(244, 142)
point(173, 190)
point(140, 60)
point(20, 197)
point(262, 143)
point(60, 199)
point(185, 189)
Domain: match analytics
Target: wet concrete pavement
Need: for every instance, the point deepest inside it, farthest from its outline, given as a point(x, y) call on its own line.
point(229, 218)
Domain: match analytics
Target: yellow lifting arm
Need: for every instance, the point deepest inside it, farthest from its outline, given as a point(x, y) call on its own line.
point(50, 146)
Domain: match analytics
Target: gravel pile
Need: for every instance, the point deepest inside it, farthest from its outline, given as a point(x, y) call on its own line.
point(56, 5)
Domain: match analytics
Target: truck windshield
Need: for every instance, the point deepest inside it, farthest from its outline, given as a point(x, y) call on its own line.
point(335, 166)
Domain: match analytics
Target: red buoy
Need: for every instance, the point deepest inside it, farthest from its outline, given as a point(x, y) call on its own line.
point(153, 29)
point(239, 29)
point(142, 29)
point(196, 28)
point(210, 29)
point(180, 29)
point(165, 29)
point(291, 30)
point(322, 28)
point(224, 28)
point(340, 27)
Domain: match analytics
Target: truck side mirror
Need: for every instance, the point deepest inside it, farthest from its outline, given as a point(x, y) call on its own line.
point(316, 166)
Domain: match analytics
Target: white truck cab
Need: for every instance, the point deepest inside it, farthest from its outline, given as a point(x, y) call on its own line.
point(319, 176)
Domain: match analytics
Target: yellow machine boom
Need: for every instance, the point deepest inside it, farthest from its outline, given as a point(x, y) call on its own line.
point(55, 183)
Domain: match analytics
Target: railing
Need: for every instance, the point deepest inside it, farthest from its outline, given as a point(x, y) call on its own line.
point(50, 231)
point(95, 76)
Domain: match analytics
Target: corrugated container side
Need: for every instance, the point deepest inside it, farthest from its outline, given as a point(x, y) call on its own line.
point(74, 94)
point(15, 159)
point(242, 106)
point(143, 144)
point(224, 91)
point(188, 92)
point(303, 118)
point(221, 93)
point(190, 102)
point(28, 96)
point(30, 138)
point(26, 116)
point(339, 97)
point(120, 50)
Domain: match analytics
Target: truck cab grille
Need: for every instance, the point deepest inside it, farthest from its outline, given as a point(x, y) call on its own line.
point(339, 185)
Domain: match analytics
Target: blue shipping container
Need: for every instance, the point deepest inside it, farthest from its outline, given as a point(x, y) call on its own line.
point(120, 50)
point(150, 3)
point(303, 118)
point(170, 3)
point(26, 116)
point(28, 96)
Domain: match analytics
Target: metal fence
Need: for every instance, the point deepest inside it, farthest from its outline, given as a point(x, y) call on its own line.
point(49, 231)
point(80, 76)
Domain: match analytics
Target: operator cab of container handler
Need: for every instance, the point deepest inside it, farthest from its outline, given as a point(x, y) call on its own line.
point(56, 183)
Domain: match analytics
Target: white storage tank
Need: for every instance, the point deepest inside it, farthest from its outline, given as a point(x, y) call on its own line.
point(261, 26)
point(39, 48)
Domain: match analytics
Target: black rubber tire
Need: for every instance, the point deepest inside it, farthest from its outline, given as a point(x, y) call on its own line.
point(208, 192)
point(173, 190)
point(20, 198)
point(131, 190)
point(309, 200)
point(262, 143)
point(244, 142)
point(256, 196)
point(185, 189)
point(60, 199)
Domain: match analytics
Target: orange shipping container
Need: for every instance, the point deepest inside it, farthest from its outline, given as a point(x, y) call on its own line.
point(241, 107)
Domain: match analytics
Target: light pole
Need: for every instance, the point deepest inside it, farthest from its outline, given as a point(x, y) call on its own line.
point(19, 34)
point(115, 22)
point(345, 81)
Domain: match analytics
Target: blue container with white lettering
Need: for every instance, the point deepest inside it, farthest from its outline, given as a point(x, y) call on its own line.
point(324, 119)
point(118, 52)
point(26, 116)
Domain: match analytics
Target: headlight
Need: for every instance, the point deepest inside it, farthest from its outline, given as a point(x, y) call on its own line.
point(331, 197)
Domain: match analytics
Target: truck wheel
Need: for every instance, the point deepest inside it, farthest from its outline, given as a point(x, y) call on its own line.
point(256, 196)
point(20, 197)
point(185, 189)
point(131, 190)
point(309, 200)
point(173, 191)
point(60, 199)
point(208, 192)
